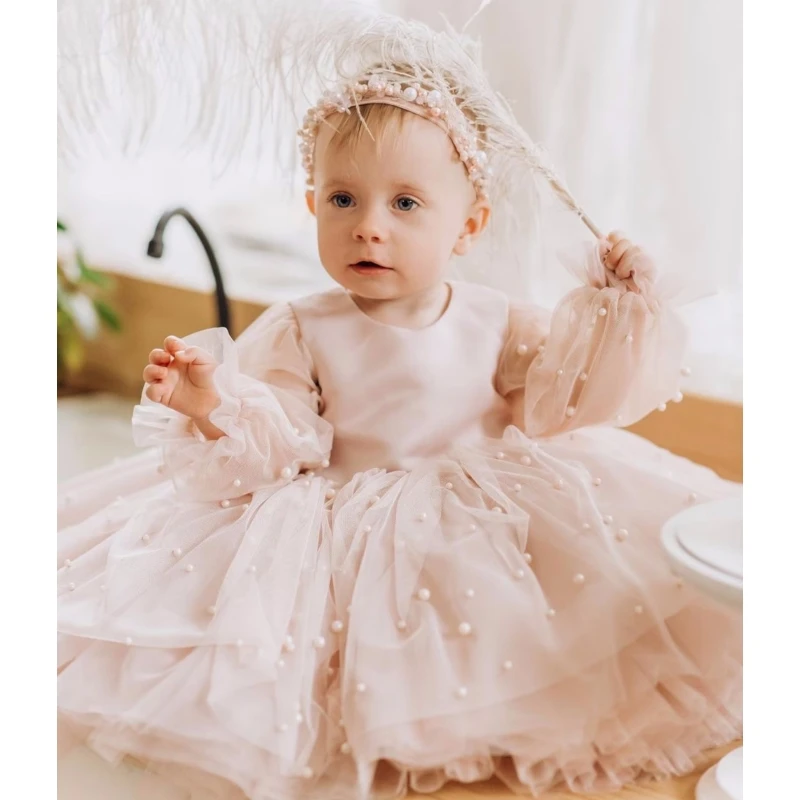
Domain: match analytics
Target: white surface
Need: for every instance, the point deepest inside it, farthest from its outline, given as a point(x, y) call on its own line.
point(713, 530)
point(704, 545)
point(92, 431)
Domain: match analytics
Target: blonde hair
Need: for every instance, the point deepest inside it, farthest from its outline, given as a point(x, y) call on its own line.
point(378, 121)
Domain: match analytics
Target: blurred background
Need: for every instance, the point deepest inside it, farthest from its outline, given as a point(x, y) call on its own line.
point(639, 103)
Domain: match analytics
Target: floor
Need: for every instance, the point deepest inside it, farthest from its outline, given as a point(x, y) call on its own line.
point(92, 430)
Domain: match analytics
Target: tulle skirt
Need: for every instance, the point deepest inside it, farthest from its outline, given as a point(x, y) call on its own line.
point(504, 610)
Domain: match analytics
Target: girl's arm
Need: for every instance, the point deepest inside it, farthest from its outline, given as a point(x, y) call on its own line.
point(265, 426)
point(610, 354)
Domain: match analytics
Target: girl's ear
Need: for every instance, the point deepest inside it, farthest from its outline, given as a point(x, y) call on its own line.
point(474, 226)
point(310, 202)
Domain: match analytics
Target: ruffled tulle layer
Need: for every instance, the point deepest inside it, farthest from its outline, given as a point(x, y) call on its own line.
point(503, 611)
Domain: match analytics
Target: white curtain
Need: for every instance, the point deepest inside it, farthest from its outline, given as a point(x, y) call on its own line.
point(639, 102)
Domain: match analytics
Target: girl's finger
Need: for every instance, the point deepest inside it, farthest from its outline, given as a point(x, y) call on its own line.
point(161, 357)
point(617, 251)
point(194, 355)
point(628, 262)
point(156, 392)
point(152, 373)
point(615, 236)
point(172, 344)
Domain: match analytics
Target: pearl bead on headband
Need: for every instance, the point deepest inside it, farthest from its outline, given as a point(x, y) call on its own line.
point(431, 104)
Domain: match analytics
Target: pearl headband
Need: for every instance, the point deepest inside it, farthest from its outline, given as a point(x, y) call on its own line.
point(428, 103)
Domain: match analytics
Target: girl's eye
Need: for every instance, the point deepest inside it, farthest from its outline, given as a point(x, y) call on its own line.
point(406, 203)
point(341, 200)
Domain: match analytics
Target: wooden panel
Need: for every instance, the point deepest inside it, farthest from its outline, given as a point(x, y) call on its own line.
point(704, 430)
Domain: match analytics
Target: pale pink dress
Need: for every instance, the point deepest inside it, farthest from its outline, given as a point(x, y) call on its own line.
point(417, 555)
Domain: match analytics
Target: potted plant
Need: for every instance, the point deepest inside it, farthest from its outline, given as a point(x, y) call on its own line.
point(82, 311)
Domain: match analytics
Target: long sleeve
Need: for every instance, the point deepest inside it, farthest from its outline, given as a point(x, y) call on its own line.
point(610, 354)
point(269, 412)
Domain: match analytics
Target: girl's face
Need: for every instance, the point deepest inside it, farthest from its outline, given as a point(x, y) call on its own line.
point(405, 206)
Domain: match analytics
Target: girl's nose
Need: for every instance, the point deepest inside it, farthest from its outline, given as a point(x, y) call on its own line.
point(370, 228)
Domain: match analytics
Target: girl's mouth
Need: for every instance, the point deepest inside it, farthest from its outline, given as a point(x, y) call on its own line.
point(369, 267)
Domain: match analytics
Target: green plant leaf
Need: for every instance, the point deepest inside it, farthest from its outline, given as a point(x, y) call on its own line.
point(61, 225)
point(108, 315)
point(90, 275)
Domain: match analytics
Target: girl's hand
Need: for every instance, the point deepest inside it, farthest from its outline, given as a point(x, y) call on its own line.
point(625, 258)
point(182, 378)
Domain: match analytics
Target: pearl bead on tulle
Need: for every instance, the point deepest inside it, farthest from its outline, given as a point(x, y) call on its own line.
point(189, 567)
point(422, 517)
point(251, 568)
point(462, 691)
point(225, 503)
point(128, 641)
point(551, 612)
point(325, 463)
point(448, 486)
point(68, 563)
point(361, 688)
point(507, 665)
point(237, 483)
point(319, 642)
point(579, 578)
point(629, 338)
point(686, 372)
point(608, 519)
point(638, 609)
point(662, 406)
point(145, 537)
point(517, 487)
point(368, 529)
point(337, 626)
point(424, 594)
point(597, 481)
point(473, 527)
point(465, 629)
point(586, 526)
point(330, 493)
point(286, 473)
point(622, 534)
point(559, 372)
point(177, 552)
point(470, 593)
point(558, 483)
point(401, 624)
point(308, 773)
point(583, 376)
point(240, 642)
point(525, 461)
point(71, 587)
point(345, 749)
point(283, 727)
point(212, 610)
point(522, 349)
point(601, 312)
point(519, 574)
point(570, 411)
